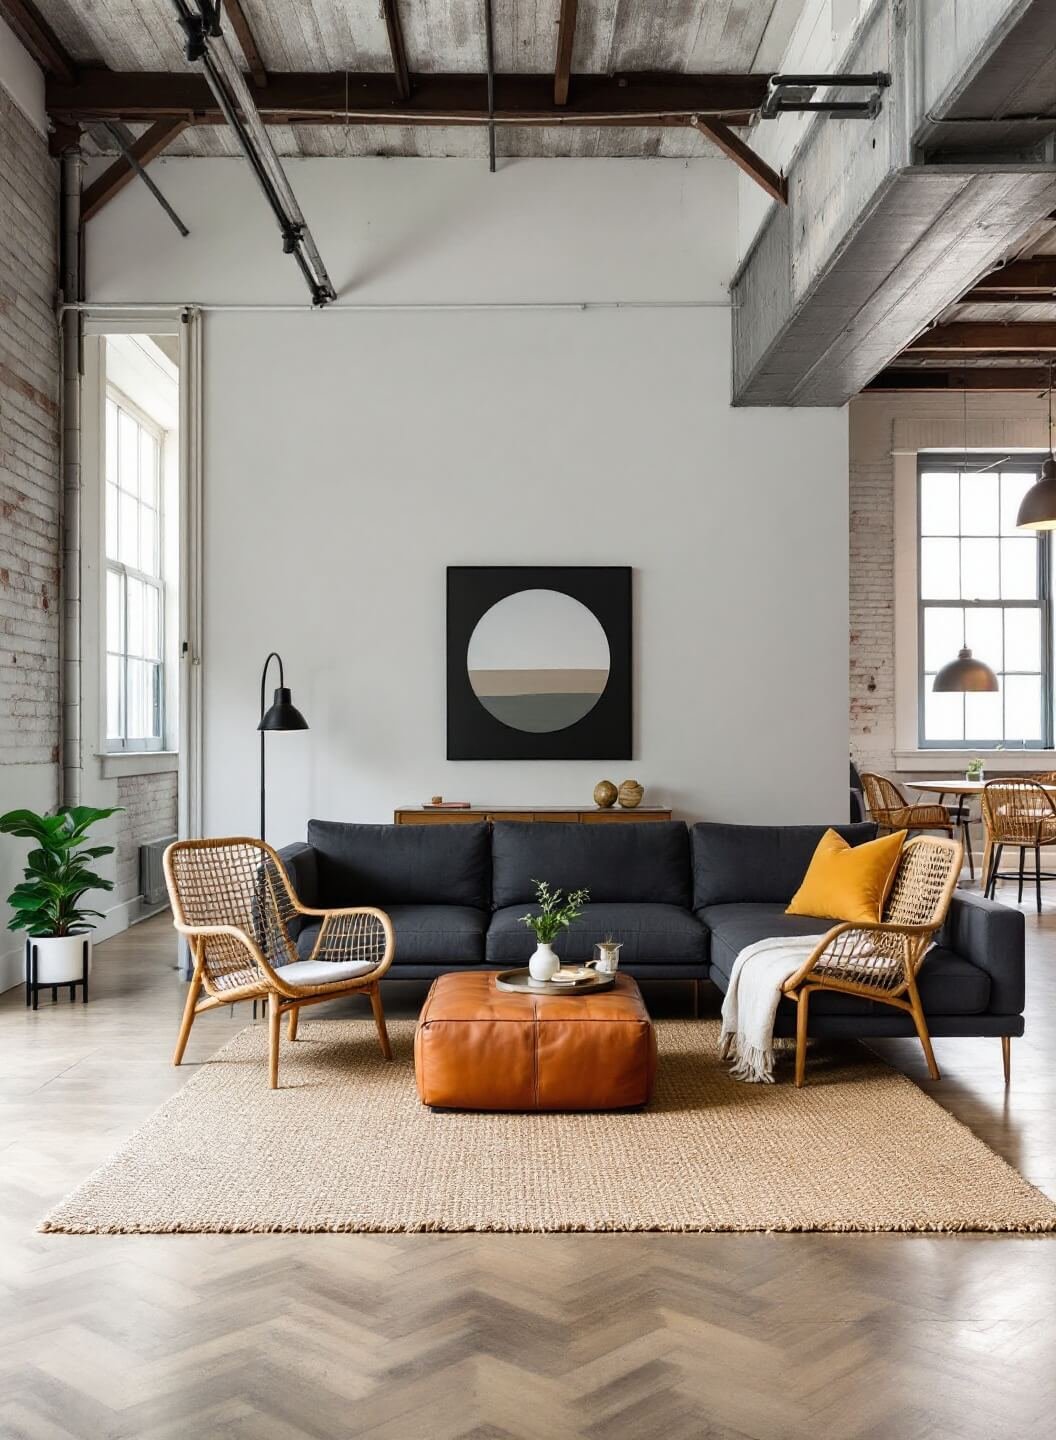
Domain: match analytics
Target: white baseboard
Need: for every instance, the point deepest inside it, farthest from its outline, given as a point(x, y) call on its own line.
point(118, 918)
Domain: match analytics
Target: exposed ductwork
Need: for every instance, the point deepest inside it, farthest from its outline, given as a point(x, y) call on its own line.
point(207, 47)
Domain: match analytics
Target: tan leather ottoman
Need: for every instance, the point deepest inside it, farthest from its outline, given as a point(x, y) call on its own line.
point(481, 1048)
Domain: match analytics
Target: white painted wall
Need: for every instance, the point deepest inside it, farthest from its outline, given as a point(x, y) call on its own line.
point(22, 78)
point(349, 457)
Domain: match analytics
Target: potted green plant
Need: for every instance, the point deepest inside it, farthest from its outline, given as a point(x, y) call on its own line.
point(47, 903)
point(974, 769)
point(556, 912)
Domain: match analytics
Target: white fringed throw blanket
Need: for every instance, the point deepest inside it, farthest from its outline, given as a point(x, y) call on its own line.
point(750, 1006)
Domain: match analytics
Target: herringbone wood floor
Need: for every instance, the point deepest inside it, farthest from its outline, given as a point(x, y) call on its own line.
point(718, 1337)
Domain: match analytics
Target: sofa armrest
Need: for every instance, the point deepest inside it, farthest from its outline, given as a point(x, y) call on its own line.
point(301, 867)
point(991, 936)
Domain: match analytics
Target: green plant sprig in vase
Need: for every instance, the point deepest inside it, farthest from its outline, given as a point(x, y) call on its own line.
point(557, 911)
point(47, 903)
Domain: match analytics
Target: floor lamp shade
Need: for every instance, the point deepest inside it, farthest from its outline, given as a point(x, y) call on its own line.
point(965, 675)
point(281, 715)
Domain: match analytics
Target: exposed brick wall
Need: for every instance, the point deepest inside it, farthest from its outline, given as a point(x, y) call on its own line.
point(29, 445)
point(878, 425)
point(149, 803)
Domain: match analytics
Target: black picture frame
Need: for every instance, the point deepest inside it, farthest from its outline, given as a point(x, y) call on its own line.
point(605, 732)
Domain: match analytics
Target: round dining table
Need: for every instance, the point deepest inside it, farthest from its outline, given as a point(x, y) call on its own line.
point(964, 790)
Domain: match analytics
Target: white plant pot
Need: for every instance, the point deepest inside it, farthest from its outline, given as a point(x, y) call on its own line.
point(60, 958)
point(544, 964)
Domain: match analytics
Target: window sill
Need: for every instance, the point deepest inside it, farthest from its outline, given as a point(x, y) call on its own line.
point(113, 764)
point(954, 762)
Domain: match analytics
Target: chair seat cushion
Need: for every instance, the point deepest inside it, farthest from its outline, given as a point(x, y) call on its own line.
point(948, 984)
point(322, 972)
point(650, 934)
point(427, 935)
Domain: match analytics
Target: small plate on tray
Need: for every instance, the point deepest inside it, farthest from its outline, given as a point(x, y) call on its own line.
point(586, 982)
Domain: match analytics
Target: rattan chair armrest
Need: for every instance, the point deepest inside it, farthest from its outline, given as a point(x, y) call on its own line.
point(821, 949)
point(193, 932)
point(338, 913)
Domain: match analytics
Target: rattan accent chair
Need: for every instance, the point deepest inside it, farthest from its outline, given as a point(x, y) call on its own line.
point(1019, 813)
point(880, 962)
point(233, 901)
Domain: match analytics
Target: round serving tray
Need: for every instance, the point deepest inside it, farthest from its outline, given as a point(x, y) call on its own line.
point(521, 980)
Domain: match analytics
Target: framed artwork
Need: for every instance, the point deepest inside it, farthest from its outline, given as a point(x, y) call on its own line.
point(539, 662)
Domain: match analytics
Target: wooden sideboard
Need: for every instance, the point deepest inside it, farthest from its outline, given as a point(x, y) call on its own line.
point(571, 814)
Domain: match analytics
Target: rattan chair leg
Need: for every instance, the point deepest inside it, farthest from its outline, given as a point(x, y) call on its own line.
point(379, 1021)
point(274, 1017)
point(194, 990)
point(966, 841)
point(291, 1024)
point(1022, 863)
point(922, 1029)
point(995, 866)
point(802, 1016)
point(1006, 1056)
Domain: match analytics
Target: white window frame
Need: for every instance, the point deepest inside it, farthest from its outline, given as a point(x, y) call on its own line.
point(117, 745)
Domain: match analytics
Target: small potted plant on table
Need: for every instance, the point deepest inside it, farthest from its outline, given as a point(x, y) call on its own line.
point(974, 770)
point(47, 903)
point(556, 913)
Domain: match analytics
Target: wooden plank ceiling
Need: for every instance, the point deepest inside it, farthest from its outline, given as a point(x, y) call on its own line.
point(999, 336)
point(409, 37)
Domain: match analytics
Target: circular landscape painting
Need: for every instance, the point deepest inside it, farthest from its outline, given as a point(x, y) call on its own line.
point(538, 661)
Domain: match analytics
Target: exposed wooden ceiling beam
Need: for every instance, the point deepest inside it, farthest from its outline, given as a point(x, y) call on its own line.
point(39, 39)
point(397, 49)
point(744, 157)
point(246, 39)
point(151, 143)
point(1020, 278)
point(643, 99)
point(986, 337)
point(1000, 378)
point(566, 39)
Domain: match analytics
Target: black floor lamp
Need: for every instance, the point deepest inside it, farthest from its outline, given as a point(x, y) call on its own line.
point(283, 715)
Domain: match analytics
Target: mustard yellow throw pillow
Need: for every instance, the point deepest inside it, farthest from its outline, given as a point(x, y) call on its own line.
point(848, 882)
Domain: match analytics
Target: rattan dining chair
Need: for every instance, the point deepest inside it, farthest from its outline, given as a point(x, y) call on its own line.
point(1018, 813)
point(233, 901)
point(880, 962)
point(890, 809)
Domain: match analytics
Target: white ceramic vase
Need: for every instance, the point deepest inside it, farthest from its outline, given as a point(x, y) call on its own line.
point(544, 964)
point(60, 958)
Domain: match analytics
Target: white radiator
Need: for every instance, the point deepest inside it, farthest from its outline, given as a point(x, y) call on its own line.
point(151, 874)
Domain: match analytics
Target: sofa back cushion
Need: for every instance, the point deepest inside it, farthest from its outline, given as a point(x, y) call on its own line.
point(401, 864)
point(762, 864)
point(615, 860)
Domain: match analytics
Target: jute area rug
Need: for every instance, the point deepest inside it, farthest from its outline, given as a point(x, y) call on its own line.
point(345, 1145)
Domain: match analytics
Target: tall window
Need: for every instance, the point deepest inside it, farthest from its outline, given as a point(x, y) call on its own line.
point(134, 587)
point(987, 585)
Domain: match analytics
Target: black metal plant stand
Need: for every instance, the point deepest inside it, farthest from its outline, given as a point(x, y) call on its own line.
point(33, 988)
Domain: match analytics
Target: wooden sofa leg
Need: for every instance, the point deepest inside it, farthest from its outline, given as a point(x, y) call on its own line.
point(1006, 1056)
point(274, 1016)
point(802, 1004)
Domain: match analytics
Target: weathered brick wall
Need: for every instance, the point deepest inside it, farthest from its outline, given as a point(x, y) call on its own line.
point(29, 446)
point(149, 803)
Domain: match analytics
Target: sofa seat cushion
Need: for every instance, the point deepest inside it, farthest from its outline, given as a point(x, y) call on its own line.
point(427, 935)
point(651, 934)
point(949, 984)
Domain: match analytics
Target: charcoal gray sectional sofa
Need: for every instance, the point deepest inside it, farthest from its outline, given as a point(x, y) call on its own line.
point(683, 900)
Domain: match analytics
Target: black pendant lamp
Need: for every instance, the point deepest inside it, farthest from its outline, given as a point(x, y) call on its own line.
point(281, 715)
point(965, 675)
point(1037, 509)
